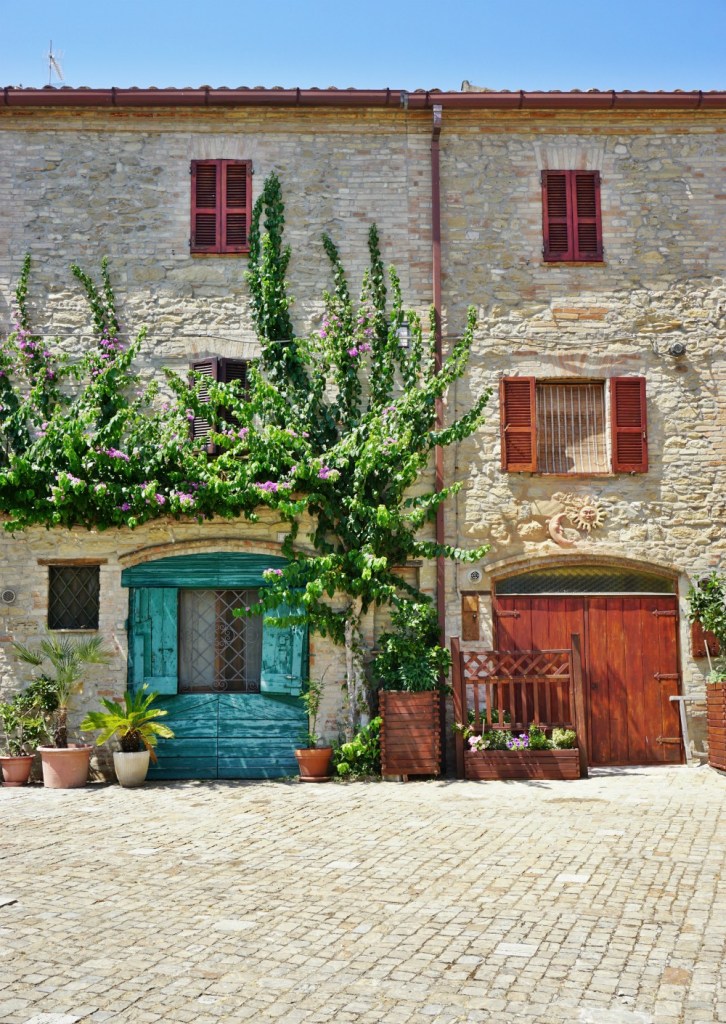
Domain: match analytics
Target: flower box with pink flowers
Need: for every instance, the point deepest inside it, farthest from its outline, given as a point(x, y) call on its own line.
point(500, 754)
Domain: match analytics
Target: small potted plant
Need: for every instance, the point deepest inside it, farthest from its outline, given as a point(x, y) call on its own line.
point(65, 765)
point(23, 732)
point(313, 760)
point(408, 669)
point(135, 725)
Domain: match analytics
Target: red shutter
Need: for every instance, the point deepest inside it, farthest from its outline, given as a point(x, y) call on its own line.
point(629, 427)
point(206, 203)
point(517, 408)
point(206, 368)
point(556, 216)
point(702, 639)
point(585, 205)
point(236, 205)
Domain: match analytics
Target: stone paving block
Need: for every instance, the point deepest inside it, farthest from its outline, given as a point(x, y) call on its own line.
point(439, 922)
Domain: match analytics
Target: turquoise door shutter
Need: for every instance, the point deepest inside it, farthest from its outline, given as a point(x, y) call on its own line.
point(153, 649)
point(282, 657)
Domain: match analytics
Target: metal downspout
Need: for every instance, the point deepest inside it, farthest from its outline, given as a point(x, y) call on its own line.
point(438, 356)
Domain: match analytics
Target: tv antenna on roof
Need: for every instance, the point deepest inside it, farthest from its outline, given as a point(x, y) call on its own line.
point(54, 65)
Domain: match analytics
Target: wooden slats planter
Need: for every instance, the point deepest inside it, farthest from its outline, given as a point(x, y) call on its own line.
point(410, 733)
point(716, 724)
point(508, 691)
point(521, 764)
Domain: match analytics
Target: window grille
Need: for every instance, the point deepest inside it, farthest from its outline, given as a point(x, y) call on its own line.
point(571, 428)
point(585, 579)
point(73, 596)
point(218, 651)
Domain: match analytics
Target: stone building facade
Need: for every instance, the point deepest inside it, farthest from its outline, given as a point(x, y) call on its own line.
point(88, 174)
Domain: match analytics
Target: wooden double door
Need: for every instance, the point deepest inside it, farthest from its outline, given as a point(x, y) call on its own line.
point(630, 666)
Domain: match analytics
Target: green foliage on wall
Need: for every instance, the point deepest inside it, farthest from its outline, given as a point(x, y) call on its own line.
point(337, 427)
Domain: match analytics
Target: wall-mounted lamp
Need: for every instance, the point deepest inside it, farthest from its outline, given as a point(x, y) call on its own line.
point(677, 349)
point(404, 334)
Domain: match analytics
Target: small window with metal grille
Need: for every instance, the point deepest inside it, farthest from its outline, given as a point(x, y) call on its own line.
point(571, 434)
point(73, 596)
point(219, 651)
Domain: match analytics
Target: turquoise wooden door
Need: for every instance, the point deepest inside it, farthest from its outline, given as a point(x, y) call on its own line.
point(225, 735)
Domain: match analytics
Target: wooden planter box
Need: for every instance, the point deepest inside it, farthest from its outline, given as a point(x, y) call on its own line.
point(410, 733)
point(521, 764)
point(716, 724)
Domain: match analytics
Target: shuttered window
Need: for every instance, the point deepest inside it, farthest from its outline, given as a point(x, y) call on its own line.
point(223, 371)
point(517, 407)
point(221, 206)
point(571, 216)
point(560, 427)
point(630, 435)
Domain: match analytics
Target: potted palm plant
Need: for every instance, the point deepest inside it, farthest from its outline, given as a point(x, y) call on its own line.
point(408, 669)
point(134, 724)
point(65, 765)
point(313, 760)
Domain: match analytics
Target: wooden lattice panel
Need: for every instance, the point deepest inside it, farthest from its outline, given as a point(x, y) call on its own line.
point(512, 689)
point(515, 665)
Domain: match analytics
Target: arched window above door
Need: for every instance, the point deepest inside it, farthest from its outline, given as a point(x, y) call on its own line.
point(586, 579)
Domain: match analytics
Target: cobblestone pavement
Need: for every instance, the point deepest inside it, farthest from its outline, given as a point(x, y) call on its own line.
point(601, 901)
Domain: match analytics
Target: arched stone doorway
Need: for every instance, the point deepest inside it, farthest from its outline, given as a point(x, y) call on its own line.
point(627, 619)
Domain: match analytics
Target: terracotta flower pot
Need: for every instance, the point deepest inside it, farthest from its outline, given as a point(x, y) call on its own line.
point(65, 767)
point(131, 767)
point(314, 764)
point(16, 769)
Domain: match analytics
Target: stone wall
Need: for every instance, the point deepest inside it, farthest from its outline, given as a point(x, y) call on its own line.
point(75, 185)
point(661, 282)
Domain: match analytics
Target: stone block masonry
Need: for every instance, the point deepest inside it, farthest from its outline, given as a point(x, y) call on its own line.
point(76, 184)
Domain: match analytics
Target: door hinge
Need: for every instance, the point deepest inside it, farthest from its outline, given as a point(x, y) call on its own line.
point(659, 614)
point(665, 675)
point(508, 615)
point(673, 740)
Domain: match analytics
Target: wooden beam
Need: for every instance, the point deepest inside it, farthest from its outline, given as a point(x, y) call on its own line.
point(459, 695)
point(578, 703)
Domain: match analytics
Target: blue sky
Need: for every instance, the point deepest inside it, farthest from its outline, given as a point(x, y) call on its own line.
point(648, 44)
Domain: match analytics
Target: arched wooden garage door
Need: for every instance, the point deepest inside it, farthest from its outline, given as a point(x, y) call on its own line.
point(629, 635)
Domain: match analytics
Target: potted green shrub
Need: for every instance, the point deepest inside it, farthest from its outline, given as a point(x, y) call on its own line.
point(708, 606)
point(65, 765)
point(23, 731)
point(134, 723)
point(313, 760)
point(361, 756)
point(408, 670)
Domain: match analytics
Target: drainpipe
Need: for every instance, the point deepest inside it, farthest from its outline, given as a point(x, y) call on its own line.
point(438, 357)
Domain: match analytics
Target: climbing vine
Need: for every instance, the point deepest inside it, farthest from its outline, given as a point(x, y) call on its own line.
point(334, 429)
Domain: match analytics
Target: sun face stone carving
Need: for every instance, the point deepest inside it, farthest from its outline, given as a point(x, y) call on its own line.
point(585, 514)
